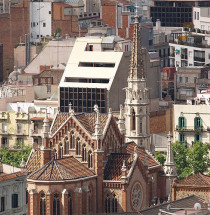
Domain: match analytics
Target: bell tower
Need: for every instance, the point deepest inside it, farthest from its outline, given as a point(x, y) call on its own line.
point(137, 96)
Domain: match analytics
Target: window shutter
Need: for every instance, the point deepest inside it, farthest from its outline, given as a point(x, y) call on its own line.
point(195, 123)
point(179, 122)
point(185, 122)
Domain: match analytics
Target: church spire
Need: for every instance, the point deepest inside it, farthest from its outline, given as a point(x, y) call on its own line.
point(136, 64)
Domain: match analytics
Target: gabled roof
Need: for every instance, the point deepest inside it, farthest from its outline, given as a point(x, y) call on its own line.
point(68, 168)
point(143, 155)
point(114, 165)
point(197, 180)
point(187, 202)
point(87, 120)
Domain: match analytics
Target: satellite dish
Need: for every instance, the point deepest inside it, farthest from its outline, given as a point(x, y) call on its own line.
point(168, 207)
point(197, 206)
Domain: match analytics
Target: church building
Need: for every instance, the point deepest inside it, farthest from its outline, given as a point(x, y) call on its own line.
point(91, 163)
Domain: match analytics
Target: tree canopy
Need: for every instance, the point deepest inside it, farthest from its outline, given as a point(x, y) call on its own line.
point(189, 160)
point(14, 158)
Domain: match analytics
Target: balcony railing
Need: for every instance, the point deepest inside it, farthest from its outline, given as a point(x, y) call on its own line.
point(191, 128)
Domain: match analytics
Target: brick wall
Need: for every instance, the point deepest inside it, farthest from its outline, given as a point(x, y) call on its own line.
point(13, 26)
point(68, 24)
point(161, 121)
point(1, 62)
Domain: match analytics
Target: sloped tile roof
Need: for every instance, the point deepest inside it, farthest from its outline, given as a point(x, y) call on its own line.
point(68, 168)
point(143, 155)
point(197, 180)
point(114, 165)
point(187, 202)
point(34, 161)
point(86, 119)
point(58, 121)
point(5, 177)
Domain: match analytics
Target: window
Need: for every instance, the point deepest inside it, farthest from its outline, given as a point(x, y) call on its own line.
point(36, 127)
point(182, 138)
point(56, 204)
point(19, 128)
point(78, 150)
point(195, 78)
point(15, 200)
point(26, 196)
point(90, 47)
point(140, 126)
point(72, 144)
point(4, 142)
point(70, 204)
point(4, 127)
point(49, 12)
point(42, 204)
point(114, 204)
point(197, 123)
point(2, 204)
point(66, 145)
point(20, 141)
point(197, 15)
point(84, 158)
point(133, 122)
point(198, 137)
point(182, 122)
point(186, 79)
point(90, 159)
point(180, 79)
point(44, 24)
point(107, 204)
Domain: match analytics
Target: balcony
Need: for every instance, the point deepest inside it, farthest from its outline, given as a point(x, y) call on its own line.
point(191, 129)
point(35, 133)
point(4, 115)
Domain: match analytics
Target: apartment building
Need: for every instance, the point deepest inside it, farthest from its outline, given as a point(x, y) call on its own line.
point(174, 13)
point(17, 128)
point(13, 187)
point(201, 19)
point(189, 81)
point(189, 49)
point(191, 123)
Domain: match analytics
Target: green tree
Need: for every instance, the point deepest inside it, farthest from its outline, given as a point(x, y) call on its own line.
point(199, 157)
point(180, 153)
point(160, 157)
point(191, 160)
point(14, 158)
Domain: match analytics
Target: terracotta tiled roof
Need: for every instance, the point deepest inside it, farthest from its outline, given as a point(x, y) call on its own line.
point(187, 202)
point(197, 180)
point(68, 168)
point(5, 177)
point(58, 121)
point(86, 119)
point(114, 165)
point(143, 155)
point(34, 161)
point(41, 118)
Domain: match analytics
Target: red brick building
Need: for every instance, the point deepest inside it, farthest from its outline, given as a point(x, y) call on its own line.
point(13, 26)
point(121, 23)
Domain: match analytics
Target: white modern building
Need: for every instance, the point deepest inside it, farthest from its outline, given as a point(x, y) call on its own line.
point(95, 74)
point(191, 123)
point(13, 191)
point(40, 20)
point(201, 19)
point(54, 54)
